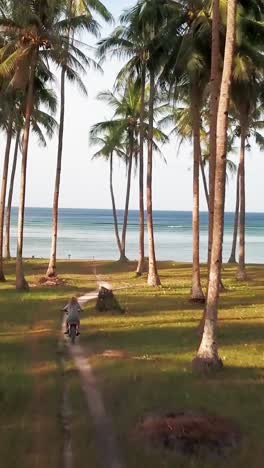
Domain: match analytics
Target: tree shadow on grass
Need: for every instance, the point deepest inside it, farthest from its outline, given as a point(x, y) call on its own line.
point(171, 339)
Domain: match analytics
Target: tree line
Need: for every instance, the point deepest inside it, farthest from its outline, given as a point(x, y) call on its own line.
point(195, 68)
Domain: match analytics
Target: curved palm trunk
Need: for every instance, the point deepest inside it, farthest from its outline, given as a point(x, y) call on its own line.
point(214, 101)
point(7, 254)
point(123, 257)
point(141, 259)
point(196, 292)
point(232, 258)
point(21, 283)
point(206, 193)
point(153, 277)
point(207, 357)
point(3, 194)
point(114, 205)
point(51, 272)
point(241, 271)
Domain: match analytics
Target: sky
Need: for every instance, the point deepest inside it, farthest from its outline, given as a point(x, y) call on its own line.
point(85, 182)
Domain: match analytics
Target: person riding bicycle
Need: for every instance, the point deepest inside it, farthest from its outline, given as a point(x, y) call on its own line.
point(73, 310)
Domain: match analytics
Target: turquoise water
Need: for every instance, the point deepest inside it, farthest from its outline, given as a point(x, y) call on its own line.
point(84, 234)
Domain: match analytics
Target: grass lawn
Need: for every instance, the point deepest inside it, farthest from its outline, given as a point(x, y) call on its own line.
point(156, 339)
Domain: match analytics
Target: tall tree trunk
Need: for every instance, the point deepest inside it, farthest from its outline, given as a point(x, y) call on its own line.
point(214, 101)
point(51, 272)
point(232, 258)
point(3, 193)
point(52, 268)
point(206, 193)
point(7, 253)
point(123, 257)
point(153, 277)
point(241, 271)
point(207, 357)
point(21, 283)
point(196, 292)
point(141, 259)
point(114, 206)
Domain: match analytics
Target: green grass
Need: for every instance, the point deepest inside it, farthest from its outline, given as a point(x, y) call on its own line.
point(158, 337)
point(30, 380)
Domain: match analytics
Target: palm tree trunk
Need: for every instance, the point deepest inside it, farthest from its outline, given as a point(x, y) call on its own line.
point(241, 271)
point(7, 254)
point(196, 292)
point(51, 272)
point(123, 257)
point(206, 193)
point(141, 259)
point(3, 194)
point(153, 277)
point(232, 258)
point(214, 101)
point(207, 356)
point(52, 268)
point(114, 206)
point(21, 283)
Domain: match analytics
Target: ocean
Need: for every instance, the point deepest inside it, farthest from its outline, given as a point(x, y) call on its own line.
point(89, 233)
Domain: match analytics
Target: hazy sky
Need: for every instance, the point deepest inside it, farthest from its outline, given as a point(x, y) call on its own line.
point(85, 182)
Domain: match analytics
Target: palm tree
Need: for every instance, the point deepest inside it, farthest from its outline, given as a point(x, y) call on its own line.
point(126, 106)
point(232, 258)
point(113, 136)
point(9, 116)
point(196, 292)
point(7, 253)
point(188, 73)
point(247, 83)
point(80, 14)
point(110, 140)
point(129, 44)
point(215, 81)
point(40, 121)
point(34, 32)
point(150, 19)
point(254, 126)
point(207, 357)
point(139, 39)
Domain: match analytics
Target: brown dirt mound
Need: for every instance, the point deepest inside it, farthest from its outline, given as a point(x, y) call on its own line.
point(51, 282)
point(189, 433)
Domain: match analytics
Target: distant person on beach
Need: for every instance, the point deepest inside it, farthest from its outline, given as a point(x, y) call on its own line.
point(73, 310)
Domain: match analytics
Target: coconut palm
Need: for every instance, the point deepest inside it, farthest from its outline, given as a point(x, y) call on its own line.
point(126, 106)
point(7, 115)
point(7, 253)
point(126, 42)
point(41, 122)
point(255, 126)
point(247, 81)
point(188, 72)
point(110, 141)
point(80, 13)
point(150, 20)
point(113, 137)
point(215, 81)
point(34, 32)
point(232, 258)
point(207, 357)
point(141, 40)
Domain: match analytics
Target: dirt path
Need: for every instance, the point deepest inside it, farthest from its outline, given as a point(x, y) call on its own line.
point(106, 443)
point(65, 410)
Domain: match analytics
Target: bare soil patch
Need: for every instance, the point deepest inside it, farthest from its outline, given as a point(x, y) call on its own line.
point(189, 433)
point(51, 282)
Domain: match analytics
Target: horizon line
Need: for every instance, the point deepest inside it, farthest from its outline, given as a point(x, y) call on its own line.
point(122, 209)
